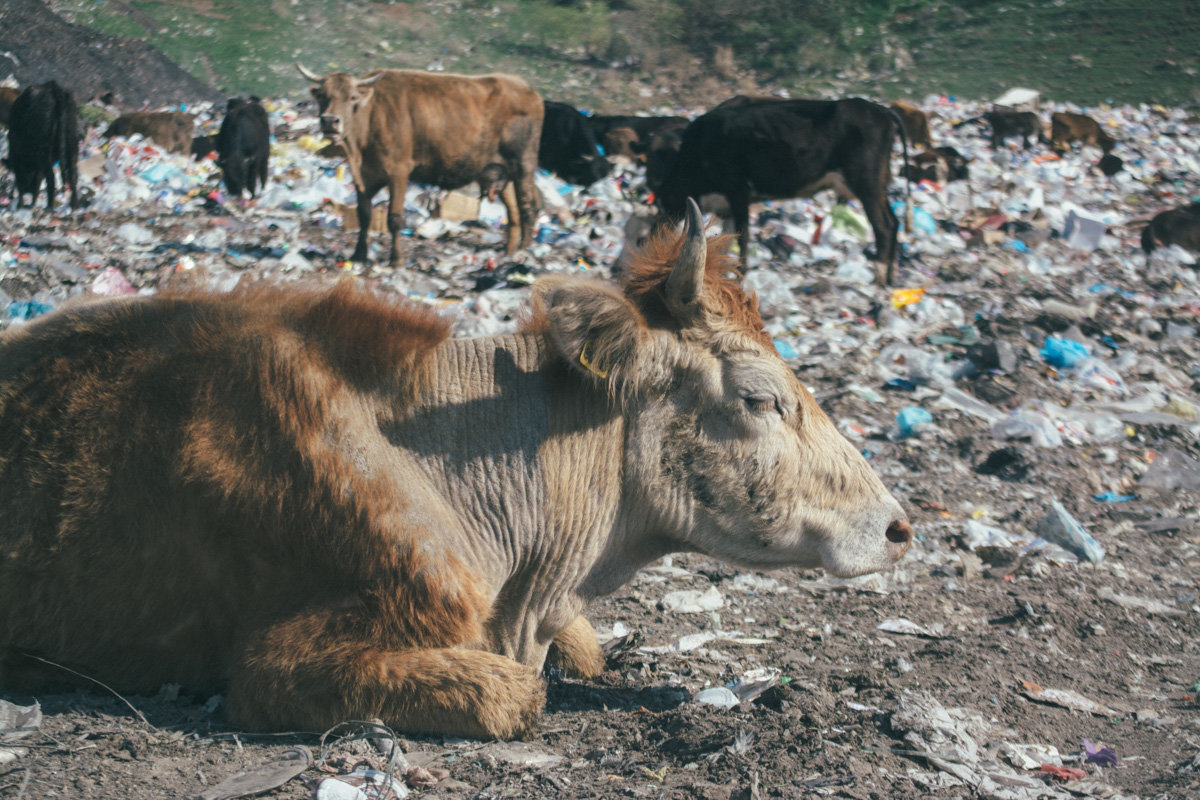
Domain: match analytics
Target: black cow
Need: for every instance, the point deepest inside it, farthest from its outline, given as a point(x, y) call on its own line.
point(1179, 226)
point(244, 145)
point(43, 130)
point(568, 146)
point(612, 131)
point(789, 148)
point(1006, 124)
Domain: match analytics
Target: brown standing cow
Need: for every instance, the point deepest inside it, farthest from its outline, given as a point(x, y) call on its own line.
point(170, 130)
point(321, 501)
point(916, 123)
point(1067, 127)
point(434, 128)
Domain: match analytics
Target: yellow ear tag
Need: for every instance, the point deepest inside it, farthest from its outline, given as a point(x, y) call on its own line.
point(585, 358)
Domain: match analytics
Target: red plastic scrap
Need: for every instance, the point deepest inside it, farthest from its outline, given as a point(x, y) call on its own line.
point(1064, 773)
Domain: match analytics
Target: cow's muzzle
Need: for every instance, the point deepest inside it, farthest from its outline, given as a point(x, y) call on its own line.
point(899, 537)
point(331, 126)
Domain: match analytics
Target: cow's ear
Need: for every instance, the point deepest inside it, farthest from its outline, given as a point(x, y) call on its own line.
point(592, 325)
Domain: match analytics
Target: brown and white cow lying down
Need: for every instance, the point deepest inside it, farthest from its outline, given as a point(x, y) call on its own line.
point(322, 502)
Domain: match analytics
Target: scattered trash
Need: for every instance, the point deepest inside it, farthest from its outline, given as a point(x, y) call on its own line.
point(361, 784)
point(1060, 527)
point(909, 628)
point(1103, 756)
point(693, 601)
point(266, 776)
point(1065, 698)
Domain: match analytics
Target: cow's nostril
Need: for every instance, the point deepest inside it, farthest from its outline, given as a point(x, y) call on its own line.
point(899, 536)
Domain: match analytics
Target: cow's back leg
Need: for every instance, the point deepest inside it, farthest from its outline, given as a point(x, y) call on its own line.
point(576, 652)
point(521, 225)
point(309, 673)
point(869, 184)
point(508, 195)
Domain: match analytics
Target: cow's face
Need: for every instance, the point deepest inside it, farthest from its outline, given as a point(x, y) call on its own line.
point(586, 170)
point(339, 97)
point(726, 452)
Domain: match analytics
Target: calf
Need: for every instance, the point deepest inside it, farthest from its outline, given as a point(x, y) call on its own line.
point(244, 146)
point(43, 131)
point(788, 148)
point(916, 123)
point(8, 96)
point(1179, 226)
point(1006, 124)
point(613, 132)
point(568, 146)
point(1066, 127)
point(321, 502)
point(940, 164)
point(170, 130)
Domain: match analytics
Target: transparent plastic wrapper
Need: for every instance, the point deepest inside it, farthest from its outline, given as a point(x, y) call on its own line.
point(956, 398)
point(854, 270)
point(1027, 424)
point(1094, 373)
point(902, 360)
point(1172, 470)
point(1059, 527)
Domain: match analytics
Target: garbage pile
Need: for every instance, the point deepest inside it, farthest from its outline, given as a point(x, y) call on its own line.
point(1032, 370)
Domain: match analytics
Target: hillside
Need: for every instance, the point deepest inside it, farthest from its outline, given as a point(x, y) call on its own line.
point(38, 45)
point(620, 54)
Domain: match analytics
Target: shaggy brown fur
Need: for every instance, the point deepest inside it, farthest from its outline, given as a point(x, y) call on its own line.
point(288, 564)
point(723, 294)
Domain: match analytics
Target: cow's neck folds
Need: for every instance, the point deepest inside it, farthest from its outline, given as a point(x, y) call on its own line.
point(535, 467)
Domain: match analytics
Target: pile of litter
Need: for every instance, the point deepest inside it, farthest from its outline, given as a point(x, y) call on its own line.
point(1030, 389)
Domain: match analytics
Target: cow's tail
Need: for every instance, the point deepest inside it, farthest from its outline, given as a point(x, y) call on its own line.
point(908, 210)
point(967, 121)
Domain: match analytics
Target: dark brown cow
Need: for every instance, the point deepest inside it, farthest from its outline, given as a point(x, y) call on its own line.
point(8, 96)
point(1007, 124)
point(1179, 226)
point(321, 502)
point(621, 142)
point(916, 123)
point(433, 128)
point(1067, 127)
point(170, 130)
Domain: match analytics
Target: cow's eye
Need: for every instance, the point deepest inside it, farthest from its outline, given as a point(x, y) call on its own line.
point(762, 403)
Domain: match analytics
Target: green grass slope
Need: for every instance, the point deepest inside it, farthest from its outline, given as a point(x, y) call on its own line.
point(625, 54)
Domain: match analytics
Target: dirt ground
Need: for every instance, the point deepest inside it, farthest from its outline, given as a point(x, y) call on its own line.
point(834, 716)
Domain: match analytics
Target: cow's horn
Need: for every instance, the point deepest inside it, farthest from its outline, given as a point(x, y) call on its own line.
point(687, 277)
point(312, 76)
point(371, 80)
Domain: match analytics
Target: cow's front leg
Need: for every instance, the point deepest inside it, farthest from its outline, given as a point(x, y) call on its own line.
point(397, 188)
point(363, 211)
point(307, 675)
point(576, 652)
